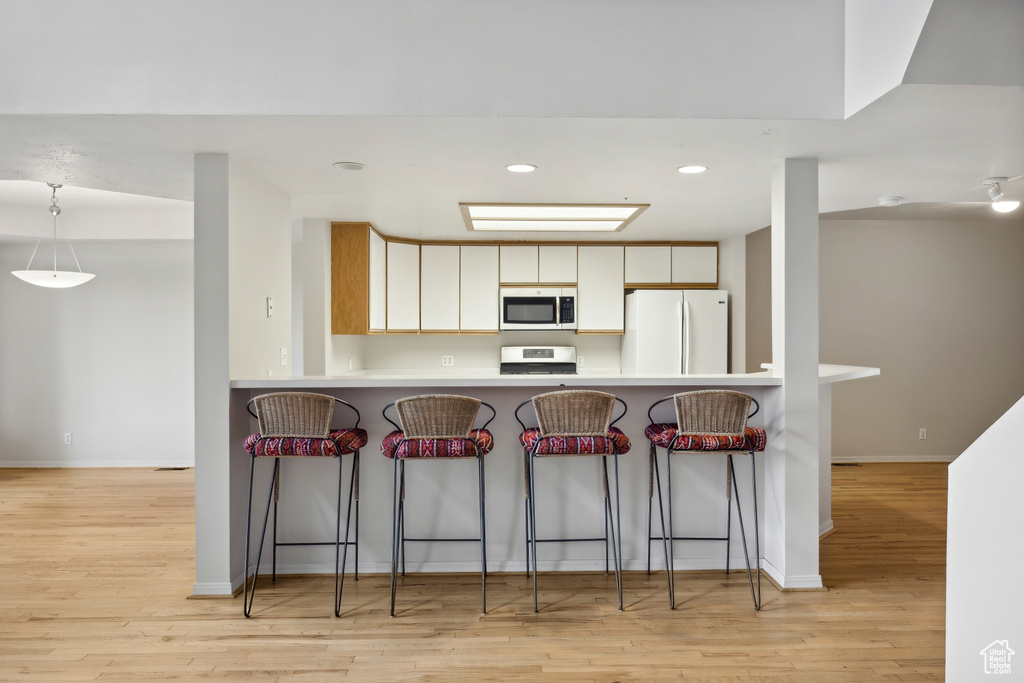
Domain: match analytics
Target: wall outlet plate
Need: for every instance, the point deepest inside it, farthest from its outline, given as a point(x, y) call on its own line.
point(447, 361)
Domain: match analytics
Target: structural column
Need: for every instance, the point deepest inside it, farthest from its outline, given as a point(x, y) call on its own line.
point(212, 375)
point(792, 462)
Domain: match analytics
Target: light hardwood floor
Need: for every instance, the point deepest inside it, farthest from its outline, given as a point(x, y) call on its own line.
point(96, 566)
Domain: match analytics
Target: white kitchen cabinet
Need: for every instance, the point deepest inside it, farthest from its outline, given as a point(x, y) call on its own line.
point(599, 289)
point(403, 287)
point(648, 265)
point(478, 291)
point(439, 288)
point(695, 265)
point(377, 290)
point(557, 264)
point(518, 264)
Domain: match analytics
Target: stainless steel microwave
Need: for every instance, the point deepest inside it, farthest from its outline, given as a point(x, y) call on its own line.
point(537, 308)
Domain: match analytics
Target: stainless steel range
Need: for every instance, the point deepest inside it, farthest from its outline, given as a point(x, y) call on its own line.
point(538, 360)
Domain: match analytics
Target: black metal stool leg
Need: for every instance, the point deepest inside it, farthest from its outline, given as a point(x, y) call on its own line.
point(728, 519)
point(245, 557)
point(401, 515)
point(339, 574)
point(273, 570)
point(671, 558)
point(650, 504)
point(248, 598)
point(533, 528)
point(757, 535)
point(394, 538)
point(355, 476)
point(526, 504)
point(483, 537)
point(616, 549)
point(743, 537)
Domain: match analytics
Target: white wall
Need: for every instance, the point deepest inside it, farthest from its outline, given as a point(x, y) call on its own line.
point(983, 549)
point(259, 266)
point(109, 361)
point(937, 305)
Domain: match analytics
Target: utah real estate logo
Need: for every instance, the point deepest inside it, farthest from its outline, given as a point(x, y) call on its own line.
point(997, 657)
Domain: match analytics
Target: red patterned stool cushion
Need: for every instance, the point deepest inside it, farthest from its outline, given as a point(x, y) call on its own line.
point(340, 442)
point(661, 434)
point(615, 442)
point(480, 442)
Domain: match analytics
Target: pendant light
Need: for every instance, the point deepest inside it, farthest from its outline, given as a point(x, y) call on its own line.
point(53, 278)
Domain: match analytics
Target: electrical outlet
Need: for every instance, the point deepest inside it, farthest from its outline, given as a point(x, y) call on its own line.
point(922, 433)
point(447, 361)
point(67, 438)
point(579, 361)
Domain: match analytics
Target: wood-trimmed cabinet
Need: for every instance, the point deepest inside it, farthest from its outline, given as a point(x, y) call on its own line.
point(692, 265)
point(401, 286)
point(478, 290)
point(439, 288)
point(600, 298)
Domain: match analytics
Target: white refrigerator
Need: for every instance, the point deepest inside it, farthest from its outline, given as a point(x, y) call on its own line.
point(672, 331)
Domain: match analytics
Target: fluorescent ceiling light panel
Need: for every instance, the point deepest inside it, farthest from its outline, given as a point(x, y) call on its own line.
point(549, 217)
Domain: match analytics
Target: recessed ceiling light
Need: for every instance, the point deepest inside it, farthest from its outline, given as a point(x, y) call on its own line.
point(349, 165)
point(521, 168)
point(549, 217)
point(692, 168)
point(890, 201)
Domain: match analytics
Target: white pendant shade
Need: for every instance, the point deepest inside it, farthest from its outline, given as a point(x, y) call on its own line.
point(53, 278)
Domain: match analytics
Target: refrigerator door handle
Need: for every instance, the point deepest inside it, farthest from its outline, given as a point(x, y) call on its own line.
point(686, 336)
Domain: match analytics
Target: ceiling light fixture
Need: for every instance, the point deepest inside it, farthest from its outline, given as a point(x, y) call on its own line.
point(890, 201)
point(549, 217)
point(692, 168)
point(521, 168)
point(53, 278)
point(349, 165)
point(995, 193)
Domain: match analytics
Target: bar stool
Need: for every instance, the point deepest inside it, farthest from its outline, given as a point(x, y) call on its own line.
point(713, 421)
point(574, 422)
point(297, 424)
point(435, 427)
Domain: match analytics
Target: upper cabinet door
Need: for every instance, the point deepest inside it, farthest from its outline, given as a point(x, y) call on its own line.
point(696, 265)
point(518, 264)
point(478, 293)
point(439, 288)
point(648, 265)
point(557, 264)
point(378, 282)
point(403, 287)
point(599, 294)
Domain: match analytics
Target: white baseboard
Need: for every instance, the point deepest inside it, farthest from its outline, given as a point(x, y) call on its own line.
point(29, 464)
point(893, 458)
point(218, 590)
point(797, 582)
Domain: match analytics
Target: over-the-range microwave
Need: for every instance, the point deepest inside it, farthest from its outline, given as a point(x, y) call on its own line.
point(537, 308)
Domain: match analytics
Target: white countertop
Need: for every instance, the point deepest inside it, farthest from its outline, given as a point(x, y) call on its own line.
point(828, 374)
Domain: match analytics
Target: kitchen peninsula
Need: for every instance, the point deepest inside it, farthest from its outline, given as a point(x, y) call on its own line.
point(307, 507)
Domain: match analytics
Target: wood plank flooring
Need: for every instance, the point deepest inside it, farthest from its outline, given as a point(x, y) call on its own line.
point(96, 567)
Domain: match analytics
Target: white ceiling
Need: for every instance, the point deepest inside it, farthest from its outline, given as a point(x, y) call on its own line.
point(931, 144)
